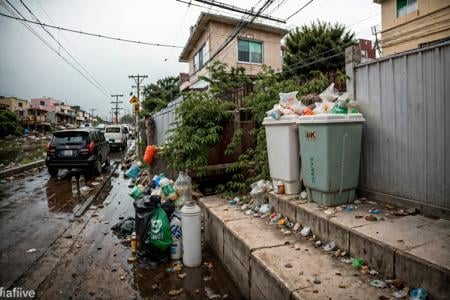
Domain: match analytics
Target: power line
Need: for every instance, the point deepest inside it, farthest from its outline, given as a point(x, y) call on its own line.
point(300, 9)
point(91, 34)
point(238, 9)
point(50, 46)
point(67, 51)
point(70, 44)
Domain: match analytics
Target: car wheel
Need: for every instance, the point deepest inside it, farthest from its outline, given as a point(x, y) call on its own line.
point(98, 166)
point(53, 171)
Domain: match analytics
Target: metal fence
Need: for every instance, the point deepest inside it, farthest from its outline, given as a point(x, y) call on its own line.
point(164, 119)
point(406, 140)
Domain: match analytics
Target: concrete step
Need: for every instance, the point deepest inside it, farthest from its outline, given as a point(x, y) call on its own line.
point(414, 249)
point(265, 264)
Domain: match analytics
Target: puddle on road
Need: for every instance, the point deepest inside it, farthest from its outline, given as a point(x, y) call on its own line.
point(195, 284)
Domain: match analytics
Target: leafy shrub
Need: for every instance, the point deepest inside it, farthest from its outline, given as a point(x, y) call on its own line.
point(9, 124)
point(198, 126)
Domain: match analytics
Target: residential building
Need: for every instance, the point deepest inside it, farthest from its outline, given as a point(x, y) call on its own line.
point(36, 119)
point(255, 45)
point(16, 105)
point(411, 24)
point(46, 103)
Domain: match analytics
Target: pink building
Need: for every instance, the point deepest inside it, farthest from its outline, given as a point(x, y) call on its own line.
point(46, 103)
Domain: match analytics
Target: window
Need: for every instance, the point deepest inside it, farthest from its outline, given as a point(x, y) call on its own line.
point(113, 129)
point(201, 57)
point(20, 104)
point(249, 51)
point(405, 7)
point(42, 103)
point(21, 113)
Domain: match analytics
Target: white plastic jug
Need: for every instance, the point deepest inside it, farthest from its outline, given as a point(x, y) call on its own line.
point(192, 241)
point(175, 228)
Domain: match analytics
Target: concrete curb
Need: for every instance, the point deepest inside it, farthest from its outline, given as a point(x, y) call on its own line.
point(12, 171)
point(92, 198)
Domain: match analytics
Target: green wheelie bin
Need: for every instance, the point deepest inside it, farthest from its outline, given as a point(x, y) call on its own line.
point(330, 150)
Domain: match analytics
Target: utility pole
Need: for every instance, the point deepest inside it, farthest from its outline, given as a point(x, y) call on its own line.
point(117, 108)
point(138, 80)
point(377, 42)
point(92, 114)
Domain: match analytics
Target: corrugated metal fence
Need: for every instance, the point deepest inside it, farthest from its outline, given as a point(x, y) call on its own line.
point(406, 139)
point(163, 120)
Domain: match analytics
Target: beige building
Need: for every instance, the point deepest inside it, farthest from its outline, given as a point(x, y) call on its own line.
point(411, 24)
point(16, 105)
point(255, 45)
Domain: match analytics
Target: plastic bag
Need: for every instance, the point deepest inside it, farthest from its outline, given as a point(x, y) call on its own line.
point(340, 107)
point(275, 113)
point(329, 94)
point(159, 234)
point(287, 99)
point(324, 108)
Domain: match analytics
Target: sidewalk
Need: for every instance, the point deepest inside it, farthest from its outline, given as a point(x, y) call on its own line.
point(413, 249)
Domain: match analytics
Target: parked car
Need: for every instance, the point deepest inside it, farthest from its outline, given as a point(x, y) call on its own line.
point(127, 130)
point(116, 136)
point(84, 148)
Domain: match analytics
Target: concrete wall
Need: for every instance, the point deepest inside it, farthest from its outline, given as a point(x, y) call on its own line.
point(430, 22)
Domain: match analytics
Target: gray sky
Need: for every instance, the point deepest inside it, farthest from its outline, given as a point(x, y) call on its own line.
point(28, 69)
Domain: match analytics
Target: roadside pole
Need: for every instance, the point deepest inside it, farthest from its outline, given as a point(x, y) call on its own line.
point(138, 80)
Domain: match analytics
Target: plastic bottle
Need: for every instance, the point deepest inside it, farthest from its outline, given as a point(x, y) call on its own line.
point(74, 185)
point(167, 189)
point(82, 181)
point(133, 243)
point(175, 228)
point(192, 242)
point(183, 186)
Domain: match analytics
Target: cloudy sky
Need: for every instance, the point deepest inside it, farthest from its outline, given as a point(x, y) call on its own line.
point(29, 69)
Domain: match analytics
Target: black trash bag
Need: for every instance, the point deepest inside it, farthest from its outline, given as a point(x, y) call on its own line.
point(169, 208)
point(124, 227)
point(145, 207)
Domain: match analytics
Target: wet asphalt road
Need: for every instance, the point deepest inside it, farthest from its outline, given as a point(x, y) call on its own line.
point(81, 258)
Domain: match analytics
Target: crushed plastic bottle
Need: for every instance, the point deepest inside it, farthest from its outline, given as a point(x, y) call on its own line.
point(357, 263)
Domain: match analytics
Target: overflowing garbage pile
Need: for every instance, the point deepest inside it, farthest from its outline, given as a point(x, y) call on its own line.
point(330, 101)
point(258, 206)
point(164, 210)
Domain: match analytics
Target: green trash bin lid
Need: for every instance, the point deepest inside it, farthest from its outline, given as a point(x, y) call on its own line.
point(331, 118)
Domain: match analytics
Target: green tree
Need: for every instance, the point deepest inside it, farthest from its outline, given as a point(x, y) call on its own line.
point(158, 95)
point(9, 124)
point(222, 78)
point(319, 46)
point(127, 119)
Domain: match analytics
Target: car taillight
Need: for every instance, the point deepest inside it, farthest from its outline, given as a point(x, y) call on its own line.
point(91, 148)
point(50, 149)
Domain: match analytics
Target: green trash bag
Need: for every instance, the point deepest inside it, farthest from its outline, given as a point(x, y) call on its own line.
point(159, 234)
